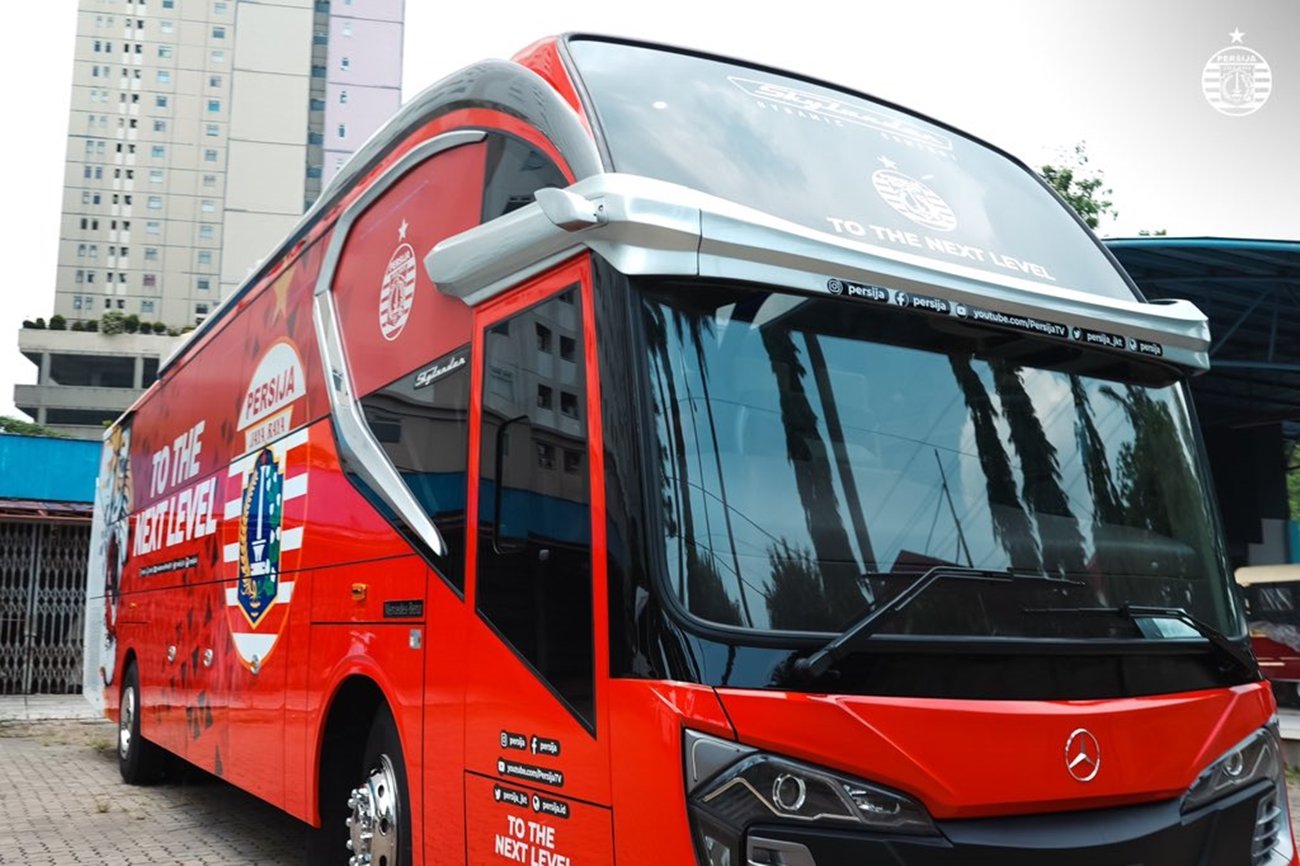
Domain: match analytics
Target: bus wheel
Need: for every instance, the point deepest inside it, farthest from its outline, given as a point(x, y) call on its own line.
point(138, 760)
point(379, 825)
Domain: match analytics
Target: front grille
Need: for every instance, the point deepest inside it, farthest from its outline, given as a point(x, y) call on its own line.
point(1269, 817)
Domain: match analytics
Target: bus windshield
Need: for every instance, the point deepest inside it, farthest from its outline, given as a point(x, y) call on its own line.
point(813, 460)
point(836, 162)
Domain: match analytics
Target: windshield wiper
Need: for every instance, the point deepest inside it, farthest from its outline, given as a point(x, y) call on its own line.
point(1225, 647)
point(817, 664)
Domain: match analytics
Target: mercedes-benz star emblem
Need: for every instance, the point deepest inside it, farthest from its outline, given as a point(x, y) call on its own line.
point(1082, 755)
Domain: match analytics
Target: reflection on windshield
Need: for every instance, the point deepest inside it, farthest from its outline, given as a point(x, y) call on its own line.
point(814, 459)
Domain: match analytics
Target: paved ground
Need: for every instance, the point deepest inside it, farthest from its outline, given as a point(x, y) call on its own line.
point(62, 802)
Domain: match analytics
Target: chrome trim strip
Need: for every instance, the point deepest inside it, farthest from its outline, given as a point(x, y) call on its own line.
point(358, 449)
point(648, 226)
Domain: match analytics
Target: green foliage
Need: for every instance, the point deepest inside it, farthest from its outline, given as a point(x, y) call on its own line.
point(113, 322)
point(1081, 186)
point(92, 325)
point(78, 325)
point(9, 424)
point(58, 323)
point(131, 323)
point(1293, 480)
point(159, 327)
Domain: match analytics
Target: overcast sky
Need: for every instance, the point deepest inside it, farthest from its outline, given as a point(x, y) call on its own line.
point(1032, 77)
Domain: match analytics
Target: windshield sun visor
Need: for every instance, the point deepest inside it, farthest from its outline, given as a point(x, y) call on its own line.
point(651, 227)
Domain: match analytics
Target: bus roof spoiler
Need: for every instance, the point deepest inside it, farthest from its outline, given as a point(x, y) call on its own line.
point(644, 226)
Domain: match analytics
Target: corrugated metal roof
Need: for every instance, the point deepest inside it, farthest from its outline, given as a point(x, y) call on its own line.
point(1250, 289)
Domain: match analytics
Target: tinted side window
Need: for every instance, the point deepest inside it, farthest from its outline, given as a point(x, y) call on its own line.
point(534, 550)
point(515, 170)
point(422, 422)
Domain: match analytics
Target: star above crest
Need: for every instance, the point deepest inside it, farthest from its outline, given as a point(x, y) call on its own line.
point(1236, 35)
point(401, 230)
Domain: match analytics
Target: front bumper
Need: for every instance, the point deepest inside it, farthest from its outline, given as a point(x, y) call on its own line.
point(1154, 834)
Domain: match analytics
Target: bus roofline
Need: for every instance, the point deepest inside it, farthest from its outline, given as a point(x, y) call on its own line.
point(644, 226)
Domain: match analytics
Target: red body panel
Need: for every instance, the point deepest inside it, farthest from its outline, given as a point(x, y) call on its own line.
point(967, 759)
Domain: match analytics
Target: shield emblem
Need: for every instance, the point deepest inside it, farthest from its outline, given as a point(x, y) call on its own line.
point(1237, 86)
point(260, 518)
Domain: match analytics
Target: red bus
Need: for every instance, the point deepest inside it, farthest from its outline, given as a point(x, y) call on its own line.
point(1274, 620)
point(638, 456)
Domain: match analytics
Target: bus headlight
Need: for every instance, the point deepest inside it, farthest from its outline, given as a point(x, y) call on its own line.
point(1254, 759)
point(732, 786)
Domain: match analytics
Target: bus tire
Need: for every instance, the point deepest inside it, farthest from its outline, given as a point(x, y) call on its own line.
point(138, 760)
point(369, 812)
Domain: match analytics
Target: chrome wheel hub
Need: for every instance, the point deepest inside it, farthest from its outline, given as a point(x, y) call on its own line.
point(373, 823)
point(126, 718)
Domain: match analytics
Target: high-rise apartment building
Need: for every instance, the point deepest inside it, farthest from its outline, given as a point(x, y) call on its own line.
point(200, 131)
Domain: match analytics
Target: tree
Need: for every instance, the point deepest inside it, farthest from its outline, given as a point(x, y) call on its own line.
point(131, 323)
point(112, 322)
point(1081, 186)
point(9, 424)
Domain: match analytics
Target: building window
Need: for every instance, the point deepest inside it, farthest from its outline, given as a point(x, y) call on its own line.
point(167, 27)
point(121, 303)
point(150, 281)
point(347, 28)
point(169, 4)
point(146, 306)
point(313, 171)
point(315, 138)
point(209, 156)
point(158, 125)
point(214, 81)
point(343, 130)
point(160, 101)
point(218, 8)
point(320, 38)
point(153, 227)
point(218, 33)
point(209, 180)
point(151, 254)
point(155, 202)
point(158, 151)
point(80, 277)
point(343, 97)
point(206, 231)
point(212, 130)
point(205, 257)
point(318, 72)
point(345, 63)
point(317, 105)
point(218, 56)
point(214, 106)
point(164, 51)
point(155, 175)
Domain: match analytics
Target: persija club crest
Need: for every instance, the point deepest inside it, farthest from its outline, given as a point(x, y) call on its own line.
point(260, 518)
point(264, 516)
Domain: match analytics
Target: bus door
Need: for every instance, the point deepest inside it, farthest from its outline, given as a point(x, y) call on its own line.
point(537, 741)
